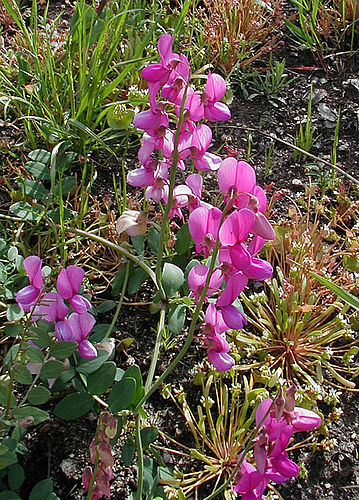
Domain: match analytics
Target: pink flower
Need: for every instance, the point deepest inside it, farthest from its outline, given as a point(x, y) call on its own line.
point(238, 178)
point(203, 225)
point(200, 141)
point(197, 278)
point(68, 286)
point(207, 105)
point(81, 325)
point(217, 353)
point(28, 296)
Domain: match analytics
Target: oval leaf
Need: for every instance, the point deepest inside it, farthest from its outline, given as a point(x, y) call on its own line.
point(99, 381)
point(122, 394)
point(74, 406)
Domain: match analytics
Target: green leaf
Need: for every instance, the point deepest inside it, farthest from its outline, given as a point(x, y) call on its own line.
point(176, 318)
point(4, 391)
point(12, 253)
point(25, 211)
point(153, 240)
point(106, 306)
point(343, 294)
point(15, 476)
point(52, 368)
point(74, 406)
point(183, 239)
point(119, 120)
point(35, 190)
point(7, 459)
point(41, 490)
point(9, 495)
point(31, 411)
point(137, 278)
point(38, 170)
point(87, 366)
point(172, 279)
point(148, 436)
point(34, 354)
point(14, 330)
point(63, 349)
point(122, 394)
point(118, 281)
point(67, 185)
point(14, 313)
point(99, 381)
point(128, 453)
point(22, 375)
point(39, 395)
point(139, 243)
point(134, 372)
point(40, 155)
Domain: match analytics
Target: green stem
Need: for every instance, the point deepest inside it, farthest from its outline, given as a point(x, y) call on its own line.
point(156, 350)
point(119, 305)
point(173, 171)
point(139, 458)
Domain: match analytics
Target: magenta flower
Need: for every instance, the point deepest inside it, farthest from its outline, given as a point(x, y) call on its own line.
point(217, 353)
point(238, 178)
point(236, 227)
point(207, 105)
point(28, 296)
point(197, 278)
point(81, 325)
point(51, 308)
point(155, 123)
point(68, 286)
point(200, 141)
point(203, 224)
point(180, 199)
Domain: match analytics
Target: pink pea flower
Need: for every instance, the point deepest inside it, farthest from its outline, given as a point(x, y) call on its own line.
point(155, 123)
point(236, 227)
point(81, 325)
point(207, 105)
point(213, 322)
point(68, 286)
point(197, 278)
point(200, 141)
point(177, 80)
point(242, 259)
point(180, 199)
point(158, 74)
point(28, 296)
point(251, 484)
point(51, 308)
point(217, 353)
point(239, 177)
point(203, 224)
point(195, 183)
point(159, 187)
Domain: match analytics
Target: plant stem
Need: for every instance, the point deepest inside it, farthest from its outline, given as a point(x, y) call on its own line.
point(139, 458)
point(119, 305)
point(156, 350)
point(173, 171)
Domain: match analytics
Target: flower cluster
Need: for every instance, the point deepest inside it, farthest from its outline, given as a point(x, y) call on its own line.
point(237, 262)
point(168, 84)
point(169, 88)
point(52, 308)
point(101, 457)
point(280, 419)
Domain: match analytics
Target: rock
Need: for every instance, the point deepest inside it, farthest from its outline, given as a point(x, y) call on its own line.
point(326, 113)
